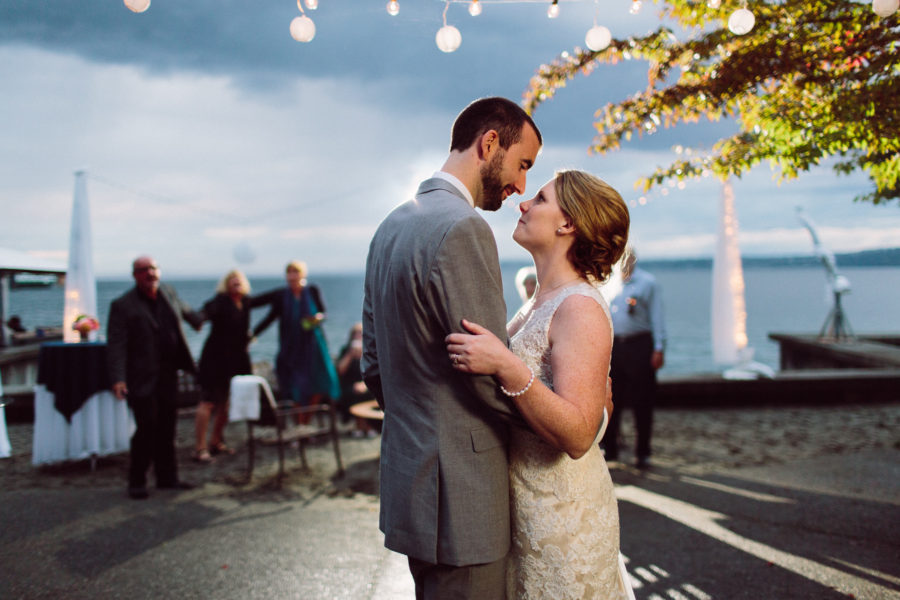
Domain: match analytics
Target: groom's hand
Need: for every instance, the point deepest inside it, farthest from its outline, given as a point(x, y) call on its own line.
point(609, 402)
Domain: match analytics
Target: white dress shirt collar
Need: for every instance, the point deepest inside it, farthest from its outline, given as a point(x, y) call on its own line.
point(452, 180)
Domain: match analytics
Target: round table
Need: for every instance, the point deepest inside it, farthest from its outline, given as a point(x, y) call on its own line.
point(367, 410)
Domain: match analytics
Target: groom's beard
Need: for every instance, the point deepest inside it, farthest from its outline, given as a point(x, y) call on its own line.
point(492, 187)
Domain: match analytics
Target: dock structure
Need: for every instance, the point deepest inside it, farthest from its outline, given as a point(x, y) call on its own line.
point(814, 371)
point(814, 352)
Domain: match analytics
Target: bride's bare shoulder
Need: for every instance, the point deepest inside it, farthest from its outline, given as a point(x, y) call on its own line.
point(581, 313)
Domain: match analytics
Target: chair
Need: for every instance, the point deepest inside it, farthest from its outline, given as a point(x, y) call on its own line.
point(277, 422)
point(188, 392)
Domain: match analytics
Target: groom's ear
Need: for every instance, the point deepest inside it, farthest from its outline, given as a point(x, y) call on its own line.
point(488, 143)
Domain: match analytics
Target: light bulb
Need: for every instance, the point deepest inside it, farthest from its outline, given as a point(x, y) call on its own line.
point(635, 7)
point(741, 21)
point(393, 7)
point(303, 29)
point(598, 38)
point(310, 4)
point(475, 8)
point(885, 8)
point(448, 38)
point(137, 6)
point(553, 11)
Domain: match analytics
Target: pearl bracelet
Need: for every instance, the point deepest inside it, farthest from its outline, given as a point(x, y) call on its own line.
point(523, 390)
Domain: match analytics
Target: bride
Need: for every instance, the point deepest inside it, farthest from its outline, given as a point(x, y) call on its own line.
point(565, 522)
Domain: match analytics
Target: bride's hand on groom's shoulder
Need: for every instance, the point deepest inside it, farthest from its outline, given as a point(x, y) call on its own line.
point(479, 351)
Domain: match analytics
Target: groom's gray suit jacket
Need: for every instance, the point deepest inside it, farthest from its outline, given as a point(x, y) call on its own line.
point(444, 480)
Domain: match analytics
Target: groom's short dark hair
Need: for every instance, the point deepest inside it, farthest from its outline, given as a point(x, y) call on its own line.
point(503, 116)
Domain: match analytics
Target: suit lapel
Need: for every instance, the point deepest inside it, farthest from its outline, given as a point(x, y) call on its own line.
point(145, 308)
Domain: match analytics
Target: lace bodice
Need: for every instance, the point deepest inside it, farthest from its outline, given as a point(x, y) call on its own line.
point(564, 514)
point(531, 341)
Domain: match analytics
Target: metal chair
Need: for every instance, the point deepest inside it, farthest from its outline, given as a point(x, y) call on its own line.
point(277, 421)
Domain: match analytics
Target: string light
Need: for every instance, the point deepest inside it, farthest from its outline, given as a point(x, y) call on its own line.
point(598, 38)
point(448, 37)
point(883, 8)
point(553, 11)
point(741, 21)
point(137, 6)
point(302, 28)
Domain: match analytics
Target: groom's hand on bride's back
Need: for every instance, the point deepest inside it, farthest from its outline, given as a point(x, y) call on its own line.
point(609, 402)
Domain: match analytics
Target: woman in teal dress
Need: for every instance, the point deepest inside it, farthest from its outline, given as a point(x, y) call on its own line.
point(304, 367)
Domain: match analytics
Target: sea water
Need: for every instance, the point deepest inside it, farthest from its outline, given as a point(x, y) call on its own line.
point(778, 299)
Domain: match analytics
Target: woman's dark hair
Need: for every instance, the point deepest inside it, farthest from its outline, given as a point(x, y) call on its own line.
point(503, 116)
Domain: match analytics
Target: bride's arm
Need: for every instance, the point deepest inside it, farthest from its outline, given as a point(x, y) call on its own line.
point(569, 417)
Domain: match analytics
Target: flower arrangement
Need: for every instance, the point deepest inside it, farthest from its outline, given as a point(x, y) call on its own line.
point(84, 324)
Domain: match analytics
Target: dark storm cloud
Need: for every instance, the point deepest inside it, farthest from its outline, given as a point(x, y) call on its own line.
point(249, 43)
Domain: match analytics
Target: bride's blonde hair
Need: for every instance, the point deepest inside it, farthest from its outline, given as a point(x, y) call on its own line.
point(601, 222)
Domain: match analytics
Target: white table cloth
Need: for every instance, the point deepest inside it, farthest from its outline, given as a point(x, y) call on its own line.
point(103, 425)
point(5, 448)
point(243, 403)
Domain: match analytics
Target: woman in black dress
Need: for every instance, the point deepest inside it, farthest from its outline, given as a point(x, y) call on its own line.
point(224, 356)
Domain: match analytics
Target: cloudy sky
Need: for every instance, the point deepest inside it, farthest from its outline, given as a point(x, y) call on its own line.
point(211, 139)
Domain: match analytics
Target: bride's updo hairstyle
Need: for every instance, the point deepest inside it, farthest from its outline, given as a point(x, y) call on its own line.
point(601, 222)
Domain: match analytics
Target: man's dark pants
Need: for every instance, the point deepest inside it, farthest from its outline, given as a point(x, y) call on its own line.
point(444, 582)
point(634, 386)
point(154, 437)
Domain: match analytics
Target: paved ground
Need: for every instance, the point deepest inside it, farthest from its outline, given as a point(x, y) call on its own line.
point(789, 503)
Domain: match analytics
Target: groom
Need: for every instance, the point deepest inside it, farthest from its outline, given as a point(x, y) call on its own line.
point(432, 262)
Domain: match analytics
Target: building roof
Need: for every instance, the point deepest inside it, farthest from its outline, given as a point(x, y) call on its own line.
point(15, 261)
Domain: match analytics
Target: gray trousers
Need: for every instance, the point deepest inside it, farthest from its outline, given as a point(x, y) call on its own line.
point(472, 582)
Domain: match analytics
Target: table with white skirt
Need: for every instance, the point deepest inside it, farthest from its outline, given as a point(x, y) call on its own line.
point(87, 420)
point(5, 448)
point(103, 425)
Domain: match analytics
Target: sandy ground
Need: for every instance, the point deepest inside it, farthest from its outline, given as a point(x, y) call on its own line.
point(697, 440)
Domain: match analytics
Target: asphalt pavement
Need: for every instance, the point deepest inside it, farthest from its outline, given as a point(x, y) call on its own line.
point(820, 526)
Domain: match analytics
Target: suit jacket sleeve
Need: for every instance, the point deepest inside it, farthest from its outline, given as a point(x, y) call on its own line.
point(317, 298)
point(116, 342)
point(465, 283)
point(272, 298)
point(182, 309)
point(369, 361)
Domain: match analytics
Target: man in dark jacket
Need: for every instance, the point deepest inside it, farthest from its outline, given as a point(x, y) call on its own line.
point(146, 346)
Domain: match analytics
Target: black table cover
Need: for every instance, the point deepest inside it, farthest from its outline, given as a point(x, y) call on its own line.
point(73, 372)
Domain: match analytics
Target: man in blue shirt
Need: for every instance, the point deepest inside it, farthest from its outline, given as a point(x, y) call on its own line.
point(638, 352)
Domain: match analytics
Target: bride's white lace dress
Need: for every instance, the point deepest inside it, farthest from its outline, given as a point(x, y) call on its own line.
point(565, 521)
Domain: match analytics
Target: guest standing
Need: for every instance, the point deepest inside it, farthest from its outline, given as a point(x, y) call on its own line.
point(526, 282)
point(638, 352)
point(224, 355)
point(146, 346)
point(303, 366)
point(353, 389)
